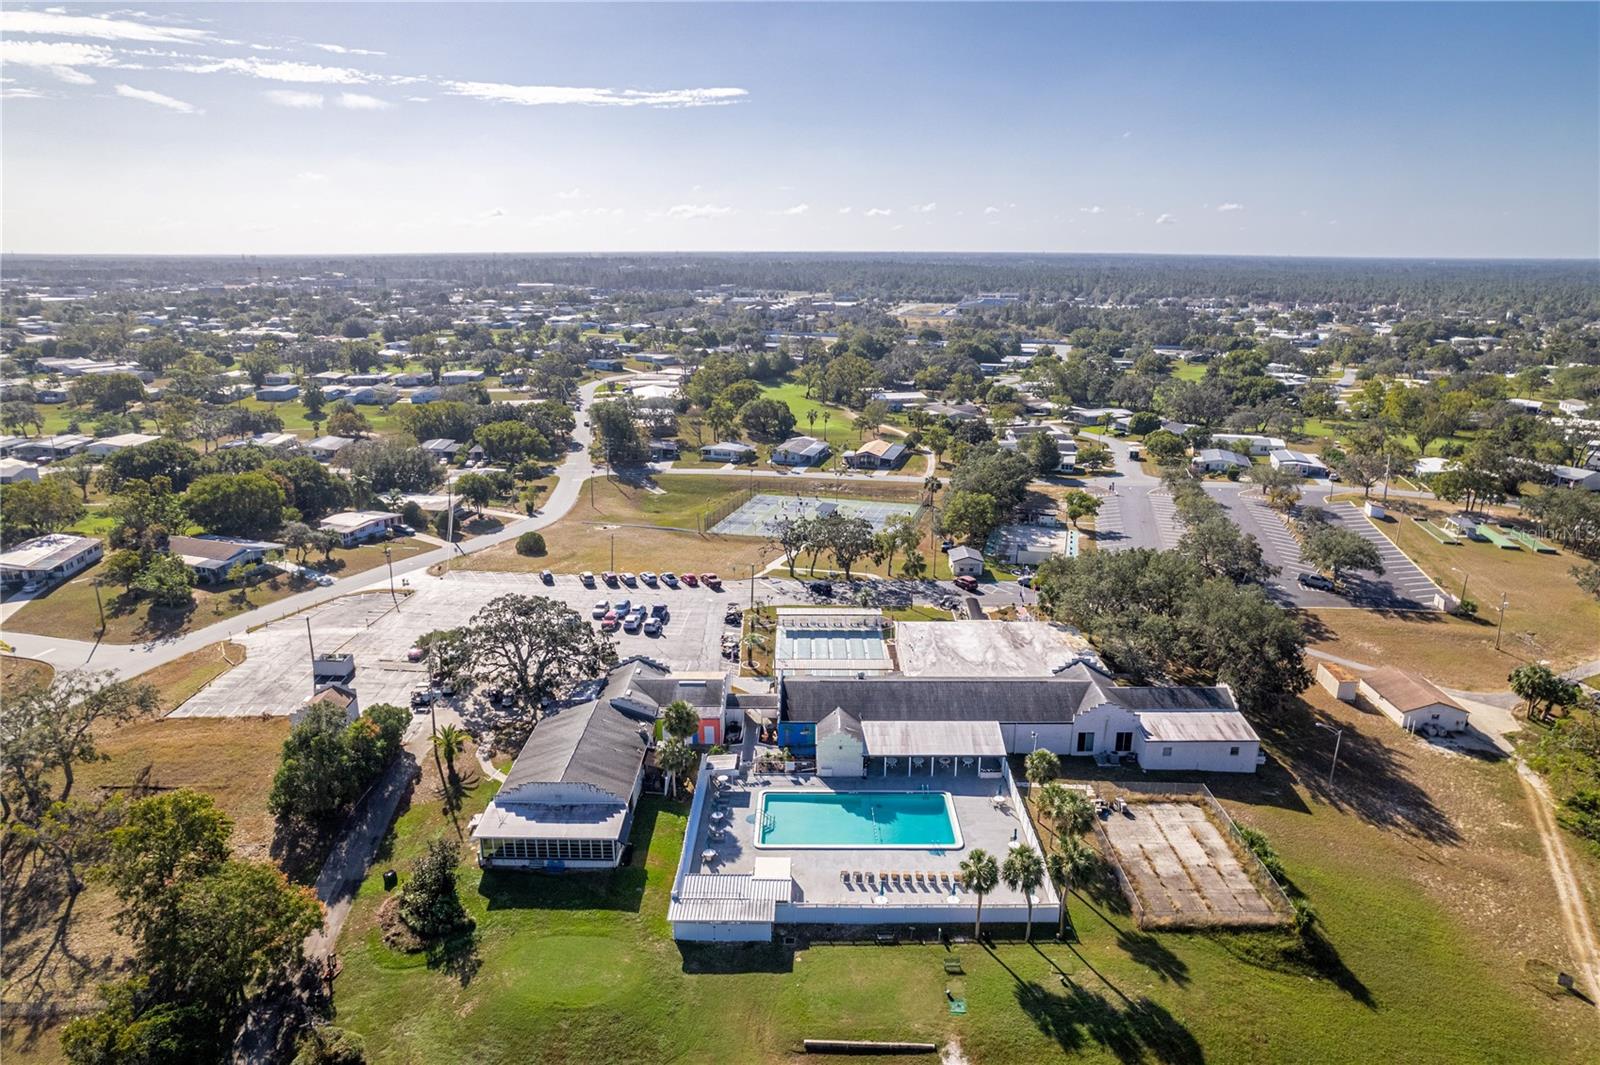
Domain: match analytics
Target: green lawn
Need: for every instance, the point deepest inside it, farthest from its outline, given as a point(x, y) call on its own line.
point(1189, 371)
point(582, 968)
point(838, 430)
point(293, 414)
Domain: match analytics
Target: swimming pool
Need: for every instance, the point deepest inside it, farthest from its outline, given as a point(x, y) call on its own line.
point(816, 820)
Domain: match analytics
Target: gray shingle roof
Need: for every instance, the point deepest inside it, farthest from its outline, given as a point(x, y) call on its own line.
point(601, 743)
point(839, 721)
point(812, 698)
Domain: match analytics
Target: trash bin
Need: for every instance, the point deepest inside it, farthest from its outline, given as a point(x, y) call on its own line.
point(390, 879)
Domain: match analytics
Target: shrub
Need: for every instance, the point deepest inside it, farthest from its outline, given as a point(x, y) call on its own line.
point(428, 902)
point(412, 514)
point(530, 543)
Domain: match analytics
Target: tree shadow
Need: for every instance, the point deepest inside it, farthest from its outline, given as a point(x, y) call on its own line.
point(728, 958)
point(1150, 952)
point(456, 956)
point(1139, 1031)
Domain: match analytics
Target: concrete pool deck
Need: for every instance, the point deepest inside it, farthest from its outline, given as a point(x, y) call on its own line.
point(816, 872)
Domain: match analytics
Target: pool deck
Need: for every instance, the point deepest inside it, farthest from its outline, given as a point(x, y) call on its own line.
point(817, 872)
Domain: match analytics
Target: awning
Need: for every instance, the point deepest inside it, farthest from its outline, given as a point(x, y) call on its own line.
point(911, 738)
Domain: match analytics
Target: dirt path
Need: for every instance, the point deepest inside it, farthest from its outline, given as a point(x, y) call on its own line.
point(1569, 893)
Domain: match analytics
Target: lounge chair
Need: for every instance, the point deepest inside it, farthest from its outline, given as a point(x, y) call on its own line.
point(844, 877)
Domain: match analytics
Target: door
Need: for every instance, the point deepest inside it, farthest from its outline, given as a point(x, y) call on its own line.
point(708, 734)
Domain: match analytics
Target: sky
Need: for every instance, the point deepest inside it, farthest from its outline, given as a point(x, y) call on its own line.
point(1427, 130)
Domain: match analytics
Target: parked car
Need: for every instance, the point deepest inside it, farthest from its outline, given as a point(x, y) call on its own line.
point(546, 576)
point(610, 579)
point(600, 609)
point(445, 686)
point(415, 654)
point(946, 545)
point(669, 579)
point(631, 623)
point(734, 616)
point(691, 580)
point(630, 580)
point(622, 606)
point(586, 578)
point(712, 581)
point(1315, 580)
point(423, 697)
point(822, 588)
point(652, 627)
point(648, 578)
point(658, 610)
point(966, 584)
point(610, 622)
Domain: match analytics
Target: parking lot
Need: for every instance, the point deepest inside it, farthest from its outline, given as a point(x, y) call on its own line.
point(276, 676)
point(1182, 869)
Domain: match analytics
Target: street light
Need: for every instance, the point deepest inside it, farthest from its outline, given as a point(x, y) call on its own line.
point(388, 557)
point(1338, 738)
point(1498, 629)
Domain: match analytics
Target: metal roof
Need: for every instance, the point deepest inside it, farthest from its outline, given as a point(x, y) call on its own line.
point(910, 738)
point(1197, 726)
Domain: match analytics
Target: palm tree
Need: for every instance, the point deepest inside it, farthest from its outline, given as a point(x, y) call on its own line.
point(449, 742)
point(981, 875)
point(1024, 872)
point(678, 720)
point(675, 759)
point(1075, 816)
point(811, 418)
point(1068, 866)
point(1041, 766)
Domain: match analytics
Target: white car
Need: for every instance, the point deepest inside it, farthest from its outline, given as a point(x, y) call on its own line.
point(601, 609)
point(32, 586)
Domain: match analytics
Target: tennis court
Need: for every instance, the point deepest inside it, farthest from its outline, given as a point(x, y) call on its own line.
point(755, 517)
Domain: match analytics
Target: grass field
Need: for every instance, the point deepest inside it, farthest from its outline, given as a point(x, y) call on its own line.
point(1408, 865)
point(17, 674)
point(294, 418)
point(1548, 617)
point(583, 539)
point(232, 761)
point(839, 430)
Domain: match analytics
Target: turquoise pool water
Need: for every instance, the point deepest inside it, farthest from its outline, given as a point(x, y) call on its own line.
point(919, 820)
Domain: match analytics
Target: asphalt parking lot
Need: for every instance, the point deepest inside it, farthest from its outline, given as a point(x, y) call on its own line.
point(276, 676)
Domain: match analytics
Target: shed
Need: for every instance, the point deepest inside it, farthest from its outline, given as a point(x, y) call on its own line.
point(1412, 702)
point(966, 561)
point(1338, 681)
point(841, 746)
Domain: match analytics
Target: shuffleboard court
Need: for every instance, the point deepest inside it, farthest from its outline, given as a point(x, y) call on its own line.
point(755, 517)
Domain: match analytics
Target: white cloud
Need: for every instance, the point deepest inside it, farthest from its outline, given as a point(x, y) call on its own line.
point(544, 95)
point(570, 194)
point(991, 209)
point(310, 177)
point(60, 59)
point(1230, 207)
point(846, 210)
point(269, 70)
point(879, 212)
point(799, 208)
point(55, 23)
point(171, 103)
point(339, 49)
point(1096, 209)
point(357, 101)
point(9, 93)
point(495, 212)
point(1165, 220)
point(691, 210)
point(304, 101)
point(925, 208)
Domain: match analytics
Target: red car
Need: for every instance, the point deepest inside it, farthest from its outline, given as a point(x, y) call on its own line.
point(712, 581)
point(690, 579)
point(966, 584)
point(610, 622)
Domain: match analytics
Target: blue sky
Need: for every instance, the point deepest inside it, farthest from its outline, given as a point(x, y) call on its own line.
point(1299, 129)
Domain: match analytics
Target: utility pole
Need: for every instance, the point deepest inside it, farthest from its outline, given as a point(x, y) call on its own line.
point(313, 649)
point(613, 552)
point(1338, 738)
point(1502, 625)
point(101, 606)
point(388, 557)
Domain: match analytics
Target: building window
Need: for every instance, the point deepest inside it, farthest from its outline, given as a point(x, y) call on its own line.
point(1233, 752)
point(1124, 742)
point(1166, 752)
point(1085, 742)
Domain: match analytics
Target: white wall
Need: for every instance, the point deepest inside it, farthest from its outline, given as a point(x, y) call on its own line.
point(1104, 722)
point(840, 755)
point(1052, 737)
point(722, 931)
point(1207, 756)
point(1439, 716)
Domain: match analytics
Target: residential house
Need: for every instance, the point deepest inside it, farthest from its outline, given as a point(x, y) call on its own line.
point(1575, 477)
point(1248, 443)
point(876, 455)
point(728, 451)
point(1412, 702)
point(277, 393)
point(211, 558)
point(604, 364)
point(461, 377)
point(801, 451)
point(431, 394)
point(899, 401)
point(49, 558)
point(110, 445)
point(1218, 460)
point(14, 470)
point(441, 448)
point(663, 450)
point(1298, 462)
point(1566, 406)
point(955, 412)
point(51, 448)
point(324, 448)
point(361, 526)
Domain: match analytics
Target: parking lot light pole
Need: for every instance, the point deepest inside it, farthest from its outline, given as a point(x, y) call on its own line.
point(1502, 625)
point(388, 557)
point(1338, 738)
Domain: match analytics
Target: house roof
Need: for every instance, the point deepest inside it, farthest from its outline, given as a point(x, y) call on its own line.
point(962, 553)
point(812, 698)
point(1406, 691)
point(200, 549)
point(347, 520)
point(837, 722)
point(908, 739)
point(600, 742)
point(1197, 726)
point(803, 445)
point(43, 552)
